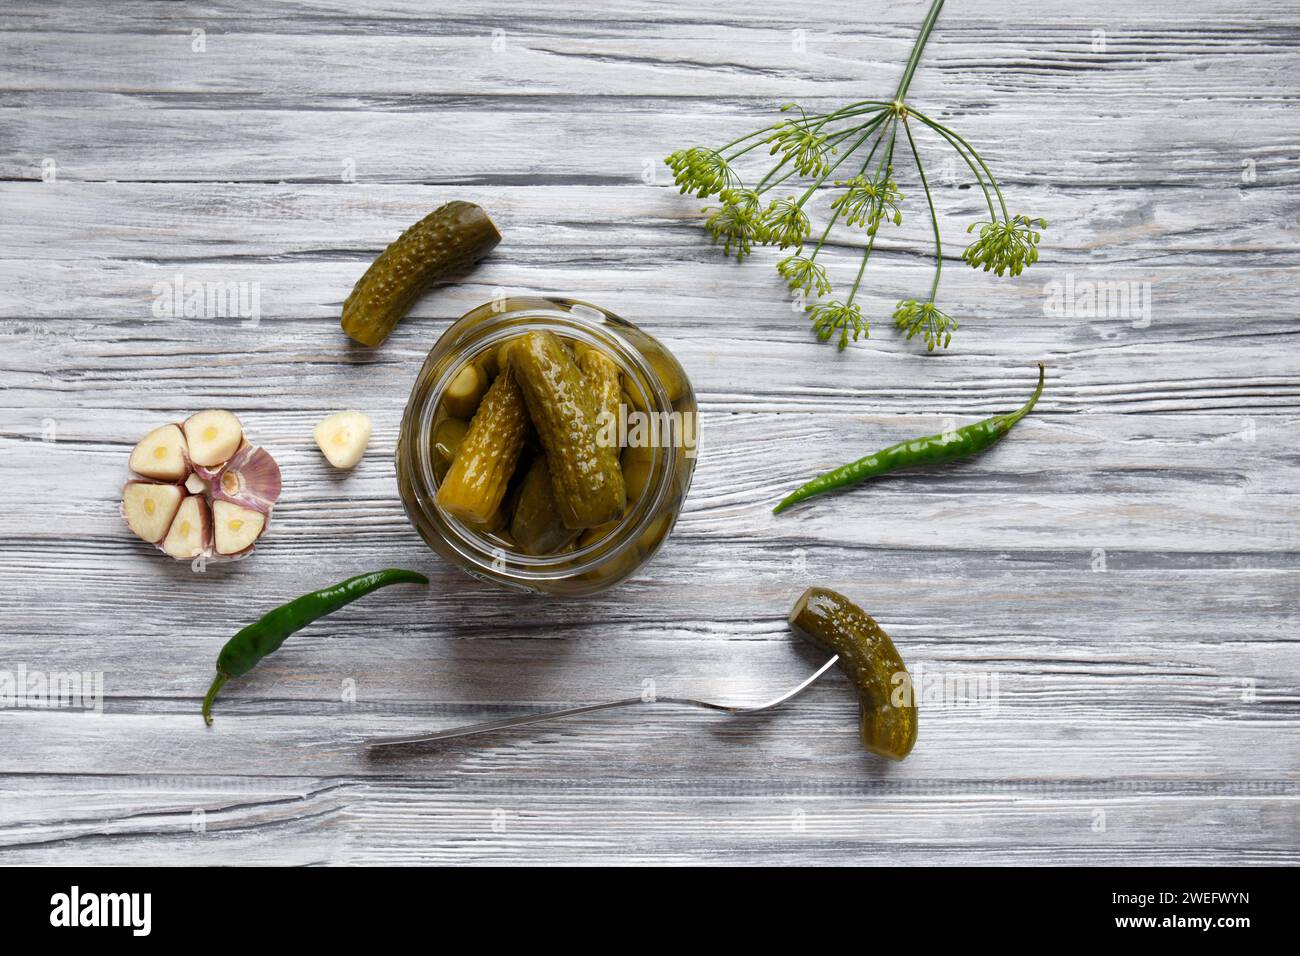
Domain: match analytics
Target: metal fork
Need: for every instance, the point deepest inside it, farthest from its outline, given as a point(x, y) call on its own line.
point(491, 725)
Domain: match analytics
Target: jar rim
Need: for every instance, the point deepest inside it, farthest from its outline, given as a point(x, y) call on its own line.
point(572, 319)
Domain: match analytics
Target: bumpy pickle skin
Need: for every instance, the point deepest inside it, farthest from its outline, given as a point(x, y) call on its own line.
point(536, 526)
point(479, 475)
point(588, 484)
point(606, 387)
point(443, 244)
point(886, 699)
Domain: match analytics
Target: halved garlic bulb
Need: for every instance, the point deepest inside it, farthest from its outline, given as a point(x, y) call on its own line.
point(232, 487)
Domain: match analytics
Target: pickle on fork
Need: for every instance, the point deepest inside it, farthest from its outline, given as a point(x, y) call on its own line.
point(887, 702)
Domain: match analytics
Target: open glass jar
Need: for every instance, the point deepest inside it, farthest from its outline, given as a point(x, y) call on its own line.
point(656, 431)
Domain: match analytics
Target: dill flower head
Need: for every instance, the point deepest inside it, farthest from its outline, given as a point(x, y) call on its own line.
point(832, 317)
point(868, 202)
point(803, 146)
point(701, 172)
point(935, 325)
point(800, 272)
point(1005, 246)
point(785, 223)
point(737, 222)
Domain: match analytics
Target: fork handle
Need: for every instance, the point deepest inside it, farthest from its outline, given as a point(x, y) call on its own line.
point(490, 725)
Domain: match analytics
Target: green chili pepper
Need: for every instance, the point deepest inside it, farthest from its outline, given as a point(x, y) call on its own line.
point(245, 649)
point(931, 450)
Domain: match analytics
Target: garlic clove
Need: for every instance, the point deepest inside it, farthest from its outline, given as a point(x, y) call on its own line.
point(235, 528)
point(251, 479)
point(213, 436)
point(343, 437)
point(149, 508)
point(195, 485)
point(190, 534)
point(161, 454)
point(465, 391)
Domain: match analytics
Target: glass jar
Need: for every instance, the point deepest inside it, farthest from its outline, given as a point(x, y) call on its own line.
point(657, 430)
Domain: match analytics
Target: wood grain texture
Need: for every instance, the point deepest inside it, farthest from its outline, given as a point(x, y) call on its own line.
point(1126, 568)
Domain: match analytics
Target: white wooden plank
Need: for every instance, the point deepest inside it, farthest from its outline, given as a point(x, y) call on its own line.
point(255, 820)
point(1125, 564)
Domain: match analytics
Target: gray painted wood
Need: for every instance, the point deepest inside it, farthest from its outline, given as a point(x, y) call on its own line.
point(1126, 566)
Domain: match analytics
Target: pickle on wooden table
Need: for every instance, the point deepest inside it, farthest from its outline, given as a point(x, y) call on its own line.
point(443, 244)
point(588, 484)
point(480, 473)
point(536, 525)
point(868, 656)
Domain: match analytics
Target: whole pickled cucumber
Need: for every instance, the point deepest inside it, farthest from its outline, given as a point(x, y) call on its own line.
point(606, 387)
point(444, 243)
point(885, 695)
point(588, 484)
point(536, 525)
point(480, 473)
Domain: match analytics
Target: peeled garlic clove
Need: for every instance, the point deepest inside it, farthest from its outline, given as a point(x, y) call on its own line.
point(195, 485)
point(213, 436)
point(235, 528)
point(465, 391)
point(251, 479)
point(161, 454)
point(343, 438)
point(190, 534)
point(149, 508)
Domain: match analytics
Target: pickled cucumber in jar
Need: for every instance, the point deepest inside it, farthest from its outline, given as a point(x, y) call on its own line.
point(564, 409)
point(527, 448)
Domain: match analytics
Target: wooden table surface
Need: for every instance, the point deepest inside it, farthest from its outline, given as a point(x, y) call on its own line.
point(1122, 572)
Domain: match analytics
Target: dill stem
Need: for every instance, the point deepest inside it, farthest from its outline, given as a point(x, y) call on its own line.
point(866, 254)
point(934, 217)
point(978, 158)
point(853, 149)
point(957, 148)
point(914, 60)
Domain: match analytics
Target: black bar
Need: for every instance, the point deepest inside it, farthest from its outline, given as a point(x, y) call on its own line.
point(722, 905)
